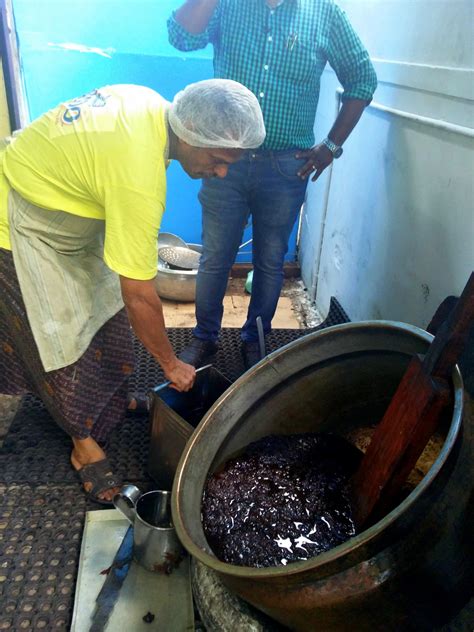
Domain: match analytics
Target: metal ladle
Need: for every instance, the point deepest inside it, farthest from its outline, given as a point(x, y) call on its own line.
point(182, 256)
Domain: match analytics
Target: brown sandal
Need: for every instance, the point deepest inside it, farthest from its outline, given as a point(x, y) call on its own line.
point(101, 476)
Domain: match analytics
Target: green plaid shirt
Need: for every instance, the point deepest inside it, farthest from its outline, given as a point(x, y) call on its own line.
point(280, 55)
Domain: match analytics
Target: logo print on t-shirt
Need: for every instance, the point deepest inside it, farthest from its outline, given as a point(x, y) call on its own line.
point(71, 114)
point(73, 109)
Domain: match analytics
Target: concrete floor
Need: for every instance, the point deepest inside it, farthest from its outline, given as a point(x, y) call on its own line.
point(294, 311)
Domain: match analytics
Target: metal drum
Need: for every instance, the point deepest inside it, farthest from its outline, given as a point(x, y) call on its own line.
point(409, 571)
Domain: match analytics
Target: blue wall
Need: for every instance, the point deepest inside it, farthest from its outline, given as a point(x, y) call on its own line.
point(131, 43)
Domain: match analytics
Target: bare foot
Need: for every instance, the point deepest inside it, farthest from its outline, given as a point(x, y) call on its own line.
point(132, 404)
point(87, 451)
point(138, 404)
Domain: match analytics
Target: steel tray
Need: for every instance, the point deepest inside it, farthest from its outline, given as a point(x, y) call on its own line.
point(168, 597)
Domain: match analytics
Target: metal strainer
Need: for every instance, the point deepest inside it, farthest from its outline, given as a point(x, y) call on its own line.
point(179, 257)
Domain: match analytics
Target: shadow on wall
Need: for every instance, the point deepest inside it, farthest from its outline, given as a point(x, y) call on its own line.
point(399, 228)
point(427, 248)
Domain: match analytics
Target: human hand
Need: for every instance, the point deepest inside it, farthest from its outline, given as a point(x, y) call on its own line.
point(181, 375)
point(317, 159)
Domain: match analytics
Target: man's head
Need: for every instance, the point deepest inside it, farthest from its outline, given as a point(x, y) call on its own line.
point(199, 162)
point(211, 123)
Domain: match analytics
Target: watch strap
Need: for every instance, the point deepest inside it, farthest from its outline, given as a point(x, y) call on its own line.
point(336, 150)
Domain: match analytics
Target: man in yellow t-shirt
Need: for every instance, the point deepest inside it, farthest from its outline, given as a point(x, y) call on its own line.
point(82, 193)
point(101, 156)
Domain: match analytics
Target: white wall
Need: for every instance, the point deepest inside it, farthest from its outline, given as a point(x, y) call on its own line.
point(390, 231)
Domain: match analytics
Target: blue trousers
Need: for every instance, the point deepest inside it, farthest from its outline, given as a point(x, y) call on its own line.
point(263, 185)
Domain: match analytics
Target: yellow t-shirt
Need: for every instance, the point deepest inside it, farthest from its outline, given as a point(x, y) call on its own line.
point(101, 156)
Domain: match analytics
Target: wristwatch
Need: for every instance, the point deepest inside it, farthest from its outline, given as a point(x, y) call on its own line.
point(336, 150)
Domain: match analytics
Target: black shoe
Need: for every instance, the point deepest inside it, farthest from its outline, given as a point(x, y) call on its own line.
point(250, 354)
point(198, 352)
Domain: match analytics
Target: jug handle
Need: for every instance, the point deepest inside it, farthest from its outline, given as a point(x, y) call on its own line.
point(126, 500)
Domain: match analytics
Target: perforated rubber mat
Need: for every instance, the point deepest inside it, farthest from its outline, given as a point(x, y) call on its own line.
point(42, 506)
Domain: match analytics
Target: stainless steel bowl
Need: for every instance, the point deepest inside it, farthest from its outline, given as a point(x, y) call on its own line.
point(177, 285)
point(170, 239)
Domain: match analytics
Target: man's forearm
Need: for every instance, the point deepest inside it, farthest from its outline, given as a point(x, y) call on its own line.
point(347, 119)
point(319, 157)
point(194, 15)
point(146, 318)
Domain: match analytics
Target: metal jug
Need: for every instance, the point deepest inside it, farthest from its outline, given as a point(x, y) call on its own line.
point(155, 544)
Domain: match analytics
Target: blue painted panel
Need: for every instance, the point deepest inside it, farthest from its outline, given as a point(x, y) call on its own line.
point(68, 49)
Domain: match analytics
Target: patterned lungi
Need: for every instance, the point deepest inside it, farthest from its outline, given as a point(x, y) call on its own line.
point(87, 398)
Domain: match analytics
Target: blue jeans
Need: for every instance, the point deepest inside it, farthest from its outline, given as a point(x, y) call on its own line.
point(263, 185)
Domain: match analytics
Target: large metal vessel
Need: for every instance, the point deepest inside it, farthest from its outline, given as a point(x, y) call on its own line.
point(409, 571)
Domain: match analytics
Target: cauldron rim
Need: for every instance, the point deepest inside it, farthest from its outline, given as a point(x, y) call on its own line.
point(358, 541)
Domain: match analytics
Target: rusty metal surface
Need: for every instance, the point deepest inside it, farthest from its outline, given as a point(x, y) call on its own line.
point(409, 571)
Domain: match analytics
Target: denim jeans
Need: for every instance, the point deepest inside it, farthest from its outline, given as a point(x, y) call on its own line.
point(263, 185)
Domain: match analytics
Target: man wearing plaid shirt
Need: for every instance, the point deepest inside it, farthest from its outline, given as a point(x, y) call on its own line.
point(278, 49)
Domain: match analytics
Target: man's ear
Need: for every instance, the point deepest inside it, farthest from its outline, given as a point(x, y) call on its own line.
point(177, 147)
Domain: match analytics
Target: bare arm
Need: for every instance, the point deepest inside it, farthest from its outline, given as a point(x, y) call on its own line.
point(194, 15)
point(347, 119)
point(145, 313)
point(319, 157)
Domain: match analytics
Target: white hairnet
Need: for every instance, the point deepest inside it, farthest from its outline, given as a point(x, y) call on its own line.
point(217, 113)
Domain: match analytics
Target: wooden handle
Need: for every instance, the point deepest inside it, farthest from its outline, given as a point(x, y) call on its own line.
point(398, 441)
point(412, 416)
point(445, 349)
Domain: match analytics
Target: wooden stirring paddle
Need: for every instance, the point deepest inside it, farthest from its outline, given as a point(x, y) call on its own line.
point(411, 417)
